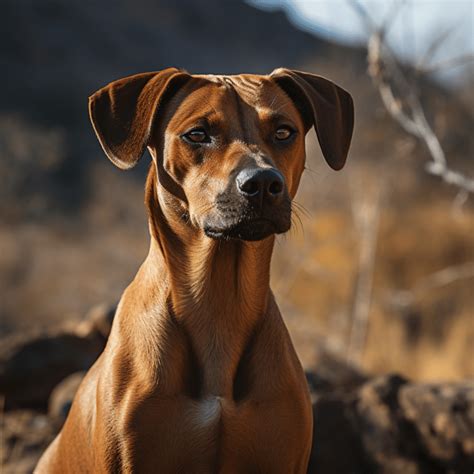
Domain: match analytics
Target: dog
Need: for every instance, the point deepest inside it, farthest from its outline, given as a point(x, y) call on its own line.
point(199, 374)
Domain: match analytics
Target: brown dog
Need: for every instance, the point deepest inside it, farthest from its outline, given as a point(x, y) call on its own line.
point(199, 374)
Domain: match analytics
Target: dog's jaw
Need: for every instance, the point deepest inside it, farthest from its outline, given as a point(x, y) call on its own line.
point(248, 230)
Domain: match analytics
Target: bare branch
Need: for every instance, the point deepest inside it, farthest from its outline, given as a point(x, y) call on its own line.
point(366, 215)
point(458, 202)
point(422, 64)
point(436, 280)
point(386, 73)
point(447, 64)
point(390, 17)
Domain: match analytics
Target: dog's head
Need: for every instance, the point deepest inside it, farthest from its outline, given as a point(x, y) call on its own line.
point(230, 149)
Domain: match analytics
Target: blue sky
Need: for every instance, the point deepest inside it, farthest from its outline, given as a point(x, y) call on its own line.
point(414, 28)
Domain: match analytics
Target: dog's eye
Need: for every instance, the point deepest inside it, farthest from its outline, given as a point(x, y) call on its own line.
point(283, 133)
point(197, 135)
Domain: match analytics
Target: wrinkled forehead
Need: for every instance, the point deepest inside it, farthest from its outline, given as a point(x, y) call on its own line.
point(210, 95)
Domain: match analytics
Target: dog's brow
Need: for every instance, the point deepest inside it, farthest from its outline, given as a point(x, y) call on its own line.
point(272, 115)
point(205, 118)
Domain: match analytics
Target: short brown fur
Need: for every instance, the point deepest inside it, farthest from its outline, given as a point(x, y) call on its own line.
point(199, 374)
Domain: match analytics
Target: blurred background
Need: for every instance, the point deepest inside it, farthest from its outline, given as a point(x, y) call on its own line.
point(379, 270)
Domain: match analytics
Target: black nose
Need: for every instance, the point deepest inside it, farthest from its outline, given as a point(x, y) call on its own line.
point(260, 183)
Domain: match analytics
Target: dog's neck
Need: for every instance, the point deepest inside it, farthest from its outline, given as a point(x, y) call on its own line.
point(217, 290)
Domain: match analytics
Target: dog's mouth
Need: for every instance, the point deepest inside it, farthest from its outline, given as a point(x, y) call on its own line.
point(236, 217)
point(249, 229)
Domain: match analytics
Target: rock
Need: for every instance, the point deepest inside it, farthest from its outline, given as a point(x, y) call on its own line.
point(391, 426)
point(376, 415)
point(362, 425)
point(443, 417)
point(337, 445)
point(332, 373)
point(62, 396)
point(32, 365)
point(25, 435)
point(101, 318)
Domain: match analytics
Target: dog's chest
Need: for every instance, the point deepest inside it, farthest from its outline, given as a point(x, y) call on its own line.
point(208, 412)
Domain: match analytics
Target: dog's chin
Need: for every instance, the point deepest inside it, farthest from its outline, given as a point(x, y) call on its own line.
point(251, 230)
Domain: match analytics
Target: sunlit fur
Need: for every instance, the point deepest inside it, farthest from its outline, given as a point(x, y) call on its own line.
point(199, 373)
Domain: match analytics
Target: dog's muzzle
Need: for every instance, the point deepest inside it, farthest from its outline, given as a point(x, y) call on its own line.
point(255, 206)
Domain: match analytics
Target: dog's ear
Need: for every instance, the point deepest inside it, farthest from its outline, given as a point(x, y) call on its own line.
point(123, 112)
point(326, 106)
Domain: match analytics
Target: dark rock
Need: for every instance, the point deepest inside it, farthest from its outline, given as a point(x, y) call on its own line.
point(32, 365)
point(25, 435)
point(332, 373)
point(441, 419)
point(62, 396)
point(389, 425)
point(337, 445)
point(385, 426)
point(101, 317)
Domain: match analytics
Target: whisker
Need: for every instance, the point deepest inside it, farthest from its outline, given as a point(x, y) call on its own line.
point(307, 168)
point(296, 222)
point(304, 211)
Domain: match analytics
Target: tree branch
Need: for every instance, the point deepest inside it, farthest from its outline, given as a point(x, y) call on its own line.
point(386, 73)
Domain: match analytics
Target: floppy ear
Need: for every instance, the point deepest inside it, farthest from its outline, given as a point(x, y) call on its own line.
point(123, 112)
point(326, 106)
